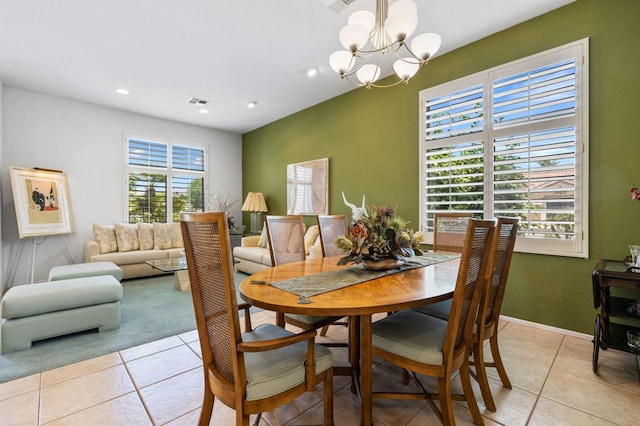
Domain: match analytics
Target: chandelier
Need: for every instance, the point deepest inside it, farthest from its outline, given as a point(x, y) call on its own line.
point(374, 40)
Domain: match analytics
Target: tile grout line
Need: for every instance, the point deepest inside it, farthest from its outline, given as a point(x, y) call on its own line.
point(137, 391)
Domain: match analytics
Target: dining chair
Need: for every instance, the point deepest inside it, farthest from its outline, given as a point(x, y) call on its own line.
point(286, 244)
point(486, 327)
point(255, 371)
point(433, 347)
point(449, 231)
point(331, 227)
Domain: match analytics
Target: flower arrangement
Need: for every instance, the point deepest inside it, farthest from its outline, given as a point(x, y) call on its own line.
point(379, 234)
point(635, 195)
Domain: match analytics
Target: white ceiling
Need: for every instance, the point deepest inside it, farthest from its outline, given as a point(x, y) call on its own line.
point(226, 51)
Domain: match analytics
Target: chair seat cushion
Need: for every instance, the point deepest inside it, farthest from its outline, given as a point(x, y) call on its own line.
point(438, 310)
point(272, 372)
point(412, 335)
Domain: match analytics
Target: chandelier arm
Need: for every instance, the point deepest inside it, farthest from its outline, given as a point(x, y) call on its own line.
point(422, 60)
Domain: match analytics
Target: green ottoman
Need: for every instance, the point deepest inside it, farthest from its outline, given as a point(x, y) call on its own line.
point(40, 311)
point(80, 270)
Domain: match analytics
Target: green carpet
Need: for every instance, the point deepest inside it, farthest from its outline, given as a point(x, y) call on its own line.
point(151, 309)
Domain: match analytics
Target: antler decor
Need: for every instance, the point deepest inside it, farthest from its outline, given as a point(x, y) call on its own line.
point(357, 213)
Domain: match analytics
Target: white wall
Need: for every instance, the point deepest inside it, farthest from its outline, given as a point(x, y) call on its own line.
point(87, 142)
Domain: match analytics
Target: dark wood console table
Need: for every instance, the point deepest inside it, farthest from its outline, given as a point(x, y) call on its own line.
point(616, 293)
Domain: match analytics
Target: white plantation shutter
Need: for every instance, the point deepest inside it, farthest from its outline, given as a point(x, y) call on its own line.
point(454, 114)
point(454, 176)
point(157, 169)
point(530, 159)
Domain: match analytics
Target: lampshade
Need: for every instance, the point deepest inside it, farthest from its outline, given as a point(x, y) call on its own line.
point(254, 203)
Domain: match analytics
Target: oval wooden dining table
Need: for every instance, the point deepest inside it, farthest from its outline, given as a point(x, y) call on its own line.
point(401, 290)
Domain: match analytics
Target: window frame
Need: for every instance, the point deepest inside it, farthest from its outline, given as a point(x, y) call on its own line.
point(169, 172)
point(579, 50)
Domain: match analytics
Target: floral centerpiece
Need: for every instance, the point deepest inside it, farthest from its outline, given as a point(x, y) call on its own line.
point(379, 235)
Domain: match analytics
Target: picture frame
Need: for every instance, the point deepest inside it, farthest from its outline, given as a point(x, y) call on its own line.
point(41, 200)
point(308, 187)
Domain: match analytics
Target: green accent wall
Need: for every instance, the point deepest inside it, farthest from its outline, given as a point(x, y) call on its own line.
point(371, 140)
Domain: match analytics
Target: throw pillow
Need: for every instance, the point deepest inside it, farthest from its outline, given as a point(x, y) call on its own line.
point(162, 236)
point(105, 236)
point(262, 242)
point(176, 235)
point(310, 238)
point(145, 236)
point(127, 236)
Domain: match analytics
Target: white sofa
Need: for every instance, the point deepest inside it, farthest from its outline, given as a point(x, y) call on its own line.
point(130, 245)
point(253, 253)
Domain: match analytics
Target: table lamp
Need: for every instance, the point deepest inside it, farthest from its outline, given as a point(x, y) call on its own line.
point(254, 203)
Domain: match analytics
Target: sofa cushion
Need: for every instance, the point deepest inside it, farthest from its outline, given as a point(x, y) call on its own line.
point(145, 236)
point(175, 252)
point(127, 236)
point(34, 299)
point(176, 235)
point(162, 236)
point(253, 254)
point(130, 257)
point(105, 236)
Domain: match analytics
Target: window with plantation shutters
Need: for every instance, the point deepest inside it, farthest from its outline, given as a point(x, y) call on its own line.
point(163, 180)
point(512, 141)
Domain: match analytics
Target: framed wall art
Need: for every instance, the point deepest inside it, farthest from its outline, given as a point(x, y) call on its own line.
point(41, 200)
point(308, 187)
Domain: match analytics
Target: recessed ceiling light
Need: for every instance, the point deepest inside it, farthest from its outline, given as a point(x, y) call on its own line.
point(122, 91)
point(311, 71)
point(252, 104)
point(204, 111)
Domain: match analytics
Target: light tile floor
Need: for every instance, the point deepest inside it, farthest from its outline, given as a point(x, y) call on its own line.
point(160, 383)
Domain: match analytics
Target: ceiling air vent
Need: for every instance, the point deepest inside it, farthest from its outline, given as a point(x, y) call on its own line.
point(337, 5)
point(197, 101)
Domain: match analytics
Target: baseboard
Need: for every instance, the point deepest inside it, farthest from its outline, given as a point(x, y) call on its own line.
point(548, 328)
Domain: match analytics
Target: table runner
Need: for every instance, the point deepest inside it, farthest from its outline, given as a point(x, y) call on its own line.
point(324, 282)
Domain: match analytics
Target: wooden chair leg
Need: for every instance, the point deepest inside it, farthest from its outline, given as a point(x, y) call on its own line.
point(324, 330)
point(207, 405)
point(465, 377)
point(328, 397)
point(446, 401)
point(481, 374)
point(241, 418)
point(280, 319)
point(405, 376)
point(497, 360)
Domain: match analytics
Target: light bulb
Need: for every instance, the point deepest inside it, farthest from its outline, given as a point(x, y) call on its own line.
point(354, 36)
point(363, 17)
point(341, 61)
point(368, 73)
point(405, 68)
point(425, 45)
point(403, 6)
point(400, 27)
